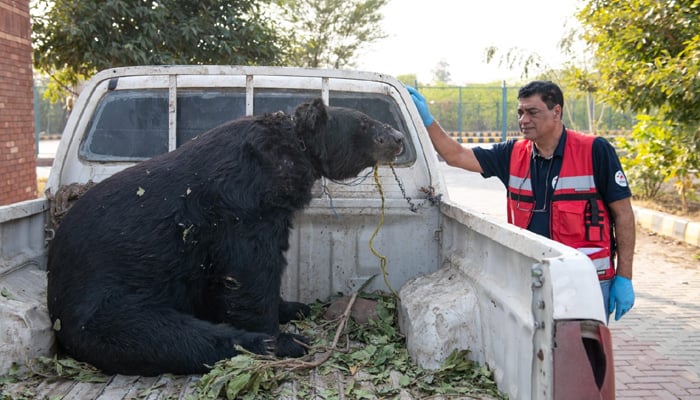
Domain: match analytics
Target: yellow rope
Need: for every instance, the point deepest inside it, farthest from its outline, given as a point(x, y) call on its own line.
point(382, 259)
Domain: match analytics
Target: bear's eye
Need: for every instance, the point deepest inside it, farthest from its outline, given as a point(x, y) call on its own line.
point(364, 122)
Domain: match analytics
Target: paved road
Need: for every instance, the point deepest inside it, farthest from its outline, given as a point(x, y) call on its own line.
point(657, 344)
point(47, 151)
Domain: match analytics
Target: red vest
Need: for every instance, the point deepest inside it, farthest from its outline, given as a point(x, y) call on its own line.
point(578, 217)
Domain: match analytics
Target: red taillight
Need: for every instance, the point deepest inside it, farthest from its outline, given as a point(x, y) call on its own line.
point(583, 361)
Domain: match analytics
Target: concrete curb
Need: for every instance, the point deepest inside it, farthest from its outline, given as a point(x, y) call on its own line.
point(668, 225)
point(49, 136)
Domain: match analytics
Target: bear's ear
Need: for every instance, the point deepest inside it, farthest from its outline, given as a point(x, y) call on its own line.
point(310, 117)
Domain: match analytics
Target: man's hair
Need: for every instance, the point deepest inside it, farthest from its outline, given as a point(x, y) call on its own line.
point(548, 91)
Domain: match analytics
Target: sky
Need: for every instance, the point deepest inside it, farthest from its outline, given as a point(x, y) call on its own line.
point(422, 33)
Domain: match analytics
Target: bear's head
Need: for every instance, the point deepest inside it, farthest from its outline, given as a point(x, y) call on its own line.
point(343, 141)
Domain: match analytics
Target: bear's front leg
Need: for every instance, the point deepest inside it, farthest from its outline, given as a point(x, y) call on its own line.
point(246, 288)
point(291, 345)
point(291, 310)
point(242, 305)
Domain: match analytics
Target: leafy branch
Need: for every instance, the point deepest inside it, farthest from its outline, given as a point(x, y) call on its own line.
point(373, 364)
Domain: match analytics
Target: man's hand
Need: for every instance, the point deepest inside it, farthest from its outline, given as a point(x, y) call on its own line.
point(421, 105)
point(621, 296)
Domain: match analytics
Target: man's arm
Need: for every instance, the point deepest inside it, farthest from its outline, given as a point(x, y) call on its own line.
point(452, 151)
point(623, 215)
point(622, 291)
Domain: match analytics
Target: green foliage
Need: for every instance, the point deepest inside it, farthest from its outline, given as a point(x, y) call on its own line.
point(4, 292)
point(12, 376)
point(369, 361)
point(648, 54)
point(441, 73)
point(47, 368)
point(645, 156)
point(585, 109)
point(51, 117)
point(659, 151)
point(530, 64)
point(75, 38)
point(329, 33)
point(66, 367)
point(374, 361)
point(246, 376)
point(408, 79)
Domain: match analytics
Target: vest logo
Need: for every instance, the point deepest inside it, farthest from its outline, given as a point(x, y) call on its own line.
point(620, 179)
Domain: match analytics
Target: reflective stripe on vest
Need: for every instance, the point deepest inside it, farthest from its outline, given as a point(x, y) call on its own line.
point(576, 183)
point(578, 216)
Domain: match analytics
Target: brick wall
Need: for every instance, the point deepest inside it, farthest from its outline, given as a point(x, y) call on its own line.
point(17, 143)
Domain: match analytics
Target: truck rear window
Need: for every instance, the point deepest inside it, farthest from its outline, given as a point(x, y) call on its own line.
point(132, 125)
point(128, 125)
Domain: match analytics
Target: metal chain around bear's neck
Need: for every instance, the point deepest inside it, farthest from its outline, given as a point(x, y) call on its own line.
point(432, 197)
point(411, 205)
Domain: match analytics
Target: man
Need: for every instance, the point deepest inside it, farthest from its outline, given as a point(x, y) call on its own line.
point(561, 184)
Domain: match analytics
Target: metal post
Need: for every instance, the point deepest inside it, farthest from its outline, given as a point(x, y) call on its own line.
point(504, 112)
point(459, 111)
point(36, 118)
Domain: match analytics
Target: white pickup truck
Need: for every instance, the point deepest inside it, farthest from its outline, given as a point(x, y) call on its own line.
point(526, 307)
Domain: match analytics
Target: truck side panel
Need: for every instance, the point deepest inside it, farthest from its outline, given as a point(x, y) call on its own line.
point(496, 271)
point(518, 282)
point(24, 321)
point(22, 235)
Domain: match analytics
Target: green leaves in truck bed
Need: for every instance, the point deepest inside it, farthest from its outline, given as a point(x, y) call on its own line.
point(55, 367)
point(347, 360)
point(371, 359)
point(246, 376)
point(6, 294)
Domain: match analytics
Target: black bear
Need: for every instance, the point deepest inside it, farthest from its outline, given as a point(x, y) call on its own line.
point(166, 266)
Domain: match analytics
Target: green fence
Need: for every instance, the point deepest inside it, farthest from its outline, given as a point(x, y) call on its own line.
point(485, 109)
point(472, 114)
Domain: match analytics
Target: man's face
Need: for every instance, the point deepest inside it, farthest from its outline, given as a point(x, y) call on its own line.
point(535, 119)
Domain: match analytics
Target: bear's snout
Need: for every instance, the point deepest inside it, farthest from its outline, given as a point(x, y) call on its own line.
point(390, 142)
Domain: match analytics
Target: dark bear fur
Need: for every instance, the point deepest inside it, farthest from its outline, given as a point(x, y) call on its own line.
point(167, 265)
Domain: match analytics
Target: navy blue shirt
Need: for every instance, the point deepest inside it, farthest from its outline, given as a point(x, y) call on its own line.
point(609, 178)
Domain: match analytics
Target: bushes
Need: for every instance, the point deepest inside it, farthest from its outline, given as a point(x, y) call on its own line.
point(657, 152)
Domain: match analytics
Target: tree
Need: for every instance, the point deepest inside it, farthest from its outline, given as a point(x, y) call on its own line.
point(516, 58)
point(75, 38)
point(648, 56)
point(575, 77)
point(441, 73)
point(648, 155)
point(329, 33)
point(408, 79)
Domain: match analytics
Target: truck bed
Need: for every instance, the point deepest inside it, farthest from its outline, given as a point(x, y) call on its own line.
point(170, 387)
point(348, 360)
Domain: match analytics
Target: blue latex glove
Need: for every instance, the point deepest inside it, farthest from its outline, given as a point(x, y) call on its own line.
point(621, 296)
point(421, 105)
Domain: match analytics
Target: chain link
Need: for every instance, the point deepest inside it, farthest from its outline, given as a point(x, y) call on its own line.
point(430, 191)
